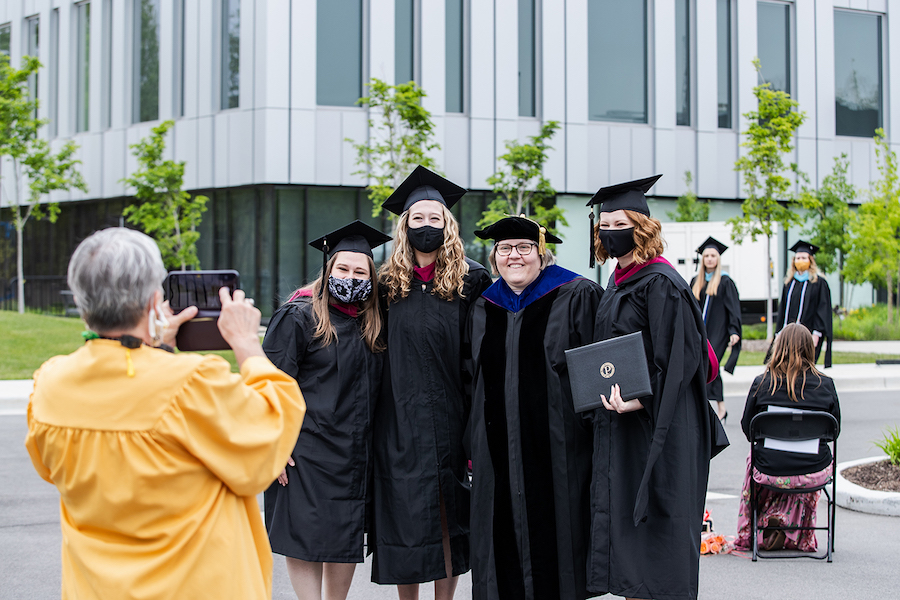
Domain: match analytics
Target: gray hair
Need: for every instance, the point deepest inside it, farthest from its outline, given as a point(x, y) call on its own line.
point(546, 260)
point(113, 274)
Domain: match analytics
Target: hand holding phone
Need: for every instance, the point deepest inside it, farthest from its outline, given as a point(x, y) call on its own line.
point(239, 325)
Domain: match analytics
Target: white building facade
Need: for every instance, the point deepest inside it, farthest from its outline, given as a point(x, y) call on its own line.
point(263, 96)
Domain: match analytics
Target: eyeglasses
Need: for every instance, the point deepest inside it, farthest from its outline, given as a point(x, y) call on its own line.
point(522, 249)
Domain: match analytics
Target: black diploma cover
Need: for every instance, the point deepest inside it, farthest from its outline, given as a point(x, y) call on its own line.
point(595, 368)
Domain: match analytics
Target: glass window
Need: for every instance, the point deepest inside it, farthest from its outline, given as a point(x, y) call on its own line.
point(178, 60)
point(682, 62)
point(32, 31)
point(338, 52)
point(291, 245)
point(106, 58)
point(53, 100)
point(231, 53)
point(4, 38)
point(454, 55)
point(326, 210)
point(617, 60)
point(404, 41)
point(858, 93)
point(723, 43)
point(146, 60)
point(82, 66)
point(244, 237)
point(526, 58)
point(774, 44)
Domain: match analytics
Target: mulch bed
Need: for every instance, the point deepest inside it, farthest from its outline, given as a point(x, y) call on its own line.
point(881, 476)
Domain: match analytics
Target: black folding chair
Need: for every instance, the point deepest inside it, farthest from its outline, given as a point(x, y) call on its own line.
point(794, 427)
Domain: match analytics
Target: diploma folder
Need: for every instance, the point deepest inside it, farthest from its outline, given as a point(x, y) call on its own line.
point(595, 368)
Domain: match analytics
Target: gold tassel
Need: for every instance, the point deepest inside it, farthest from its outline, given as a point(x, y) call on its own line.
point(542, 239)
point(130, 371)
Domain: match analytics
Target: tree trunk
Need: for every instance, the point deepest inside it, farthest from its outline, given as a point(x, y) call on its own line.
point(890, 296)
point(841, 275)
point(768, 288)
point(20, 270)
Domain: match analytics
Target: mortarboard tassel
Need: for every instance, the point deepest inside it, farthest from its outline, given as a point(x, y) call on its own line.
point(592, 237)
point(324, 279)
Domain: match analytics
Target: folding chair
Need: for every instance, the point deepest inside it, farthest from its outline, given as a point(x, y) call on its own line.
point(794, 427)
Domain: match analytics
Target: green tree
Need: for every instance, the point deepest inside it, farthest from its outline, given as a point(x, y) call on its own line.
point(164, 211)
point(688, 208)
point(36, 169)
point(770, 201)
point(874, 245)
point(829, 217)
point(399, 138)
point(520, 184)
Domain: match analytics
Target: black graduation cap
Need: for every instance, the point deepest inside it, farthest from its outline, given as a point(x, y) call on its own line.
point(802, 246)
point(712, 242)
point(423, 184)
point(625, 196)
point(622, 196)
point(353, 237)
point(520, 227)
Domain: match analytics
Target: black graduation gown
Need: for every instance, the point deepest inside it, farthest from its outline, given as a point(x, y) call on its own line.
point(815, 313)
point(418, 435)
point(531, 453)
point(320, 516)
point(651, 466)
point(722, 315)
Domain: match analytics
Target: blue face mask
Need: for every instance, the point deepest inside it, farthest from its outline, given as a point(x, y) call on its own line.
point(804, 276)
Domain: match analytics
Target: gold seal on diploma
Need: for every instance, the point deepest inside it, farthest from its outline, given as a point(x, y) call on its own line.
point(607, 370)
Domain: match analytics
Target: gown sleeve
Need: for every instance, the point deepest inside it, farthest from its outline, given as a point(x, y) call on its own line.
point(779, 315)
point(286, 338)
point(730, 297)
point(240, 427)
point(677, 350)
point(823, 318)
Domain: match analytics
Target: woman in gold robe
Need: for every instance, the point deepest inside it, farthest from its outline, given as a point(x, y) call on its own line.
point(157, 456)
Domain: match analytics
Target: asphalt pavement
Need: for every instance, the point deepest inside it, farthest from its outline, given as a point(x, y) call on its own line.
point(866, 547)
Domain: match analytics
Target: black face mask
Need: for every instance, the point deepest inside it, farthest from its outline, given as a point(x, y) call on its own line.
point(617, 242)
point(426, 239)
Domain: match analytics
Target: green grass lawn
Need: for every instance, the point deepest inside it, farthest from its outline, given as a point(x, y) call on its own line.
point(26, 341)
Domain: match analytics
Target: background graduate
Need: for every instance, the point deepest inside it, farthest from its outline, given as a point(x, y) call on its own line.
point(720, 306)
point(651, 454)
point(421, 509)
point(531, 453)
point(327, 338)
point(806, 298)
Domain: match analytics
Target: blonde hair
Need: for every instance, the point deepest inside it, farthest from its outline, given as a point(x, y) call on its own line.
point(793, 356)
point(450, 267)
point(813, 270)
point(369, 316)
point(547, 259)
point(648, 241)
point(712, 286)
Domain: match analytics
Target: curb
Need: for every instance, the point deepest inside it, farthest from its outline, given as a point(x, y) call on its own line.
point(860, 499)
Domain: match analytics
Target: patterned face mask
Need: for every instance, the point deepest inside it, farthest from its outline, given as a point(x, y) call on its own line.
point(349, 290)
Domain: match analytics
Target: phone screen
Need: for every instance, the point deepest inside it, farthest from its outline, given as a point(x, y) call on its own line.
point(199, 288)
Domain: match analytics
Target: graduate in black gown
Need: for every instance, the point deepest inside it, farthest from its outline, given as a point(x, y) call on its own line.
point(720, 306)
point(421, 508)
point(531, 453)
point(651, 454)
point(806, 299)
point(327, 336)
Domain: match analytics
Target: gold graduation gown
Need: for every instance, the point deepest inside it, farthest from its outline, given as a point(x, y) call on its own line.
point(158, 473)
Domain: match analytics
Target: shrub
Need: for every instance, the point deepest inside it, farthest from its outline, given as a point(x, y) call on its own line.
point(757, 331)
point(866, 323)
point(890, 445)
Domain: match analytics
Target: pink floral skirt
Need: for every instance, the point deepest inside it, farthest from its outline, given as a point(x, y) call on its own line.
point(791, 510)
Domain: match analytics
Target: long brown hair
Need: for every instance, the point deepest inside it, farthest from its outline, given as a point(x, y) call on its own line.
point(369, 316)
point(450, 267)
point(793, 358)
point(712, 286)
point(648, 240)
point(813, 271)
